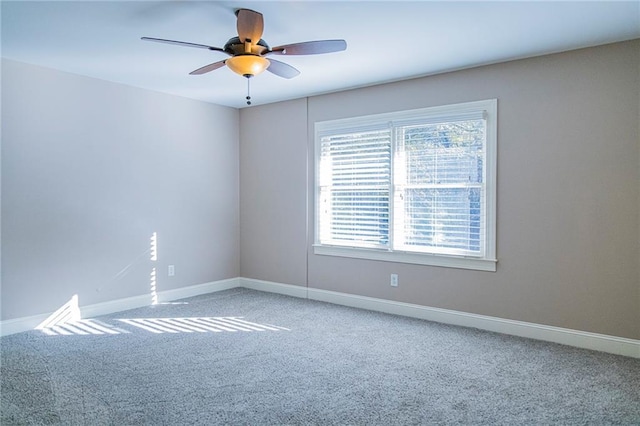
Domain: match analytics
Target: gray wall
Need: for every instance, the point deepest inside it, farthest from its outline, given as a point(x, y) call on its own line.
point(90, 169)
point(568, 192)
point(273, 197)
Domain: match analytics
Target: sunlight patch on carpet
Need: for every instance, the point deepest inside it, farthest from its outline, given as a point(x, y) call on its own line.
point(67, 321)
point(199, 325)
point(82, 327)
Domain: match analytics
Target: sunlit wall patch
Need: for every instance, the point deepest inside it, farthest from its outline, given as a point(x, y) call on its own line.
point(153, 250)
point(153, 256)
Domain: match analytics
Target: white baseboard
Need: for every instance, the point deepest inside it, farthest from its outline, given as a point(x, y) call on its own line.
point(581, 339)
point(576, 338)
point(565, 336)
point(18, 325)
point(112, 306)
point(271, 287)
point(163, 296)
point(197, 290)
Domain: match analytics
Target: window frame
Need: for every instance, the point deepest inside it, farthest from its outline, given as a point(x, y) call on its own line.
point(488, 261)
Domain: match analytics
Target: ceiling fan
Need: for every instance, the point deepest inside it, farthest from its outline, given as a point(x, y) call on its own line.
point(248, 51)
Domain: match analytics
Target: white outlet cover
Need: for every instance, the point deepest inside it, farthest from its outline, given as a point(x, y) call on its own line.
point(394, 280)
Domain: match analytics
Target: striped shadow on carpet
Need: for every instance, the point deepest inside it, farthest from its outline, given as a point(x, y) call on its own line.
point(159, 325)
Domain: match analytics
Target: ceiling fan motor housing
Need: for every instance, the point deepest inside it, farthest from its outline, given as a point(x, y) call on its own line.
point(236, 47)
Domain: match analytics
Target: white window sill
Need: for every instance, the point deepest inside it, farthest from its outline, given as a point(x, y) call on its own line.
point(459, 262)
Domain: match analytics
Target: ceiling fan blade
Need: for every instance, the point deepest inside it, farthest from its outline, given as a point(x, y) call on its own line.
point(208, 68)
point(281, 69)
point(250, 25)
point(310, 47)
point(183, 43)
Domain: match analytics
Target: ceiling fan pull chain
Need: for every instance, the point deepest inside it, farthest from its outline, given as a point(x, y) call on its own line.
point(248, 92)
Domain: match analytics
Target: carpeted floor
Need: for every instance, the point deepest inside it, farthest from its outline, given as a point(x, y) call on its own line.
point(250, 358)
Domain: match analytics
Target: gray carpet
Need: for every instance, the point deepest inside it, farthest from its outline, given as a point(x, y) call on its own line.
point(250, 358)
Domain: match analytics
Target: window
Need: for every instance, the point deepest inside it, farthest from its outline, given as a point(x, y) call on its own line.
point(414, 186)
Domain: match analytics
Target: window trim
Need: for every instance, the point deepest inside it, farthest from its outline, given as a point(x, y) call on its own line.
point(488, 262)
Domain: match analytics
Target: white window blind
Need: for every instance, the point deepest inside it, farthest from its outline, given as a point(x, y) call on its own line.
point(354, 189)
point(439, 187)
point(414, 186)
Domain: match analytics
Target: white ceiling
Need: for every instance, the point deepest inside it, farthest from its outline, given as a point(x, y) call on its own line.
point(387, 40)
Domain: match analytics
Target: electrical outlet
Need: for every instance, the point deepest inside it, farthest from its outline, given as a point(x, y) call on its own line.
point(172, 270)
point(394, 280)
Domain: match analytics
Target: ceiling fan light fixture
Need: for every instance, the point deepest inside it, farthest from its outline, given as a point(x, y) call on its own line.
point(247, 65)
